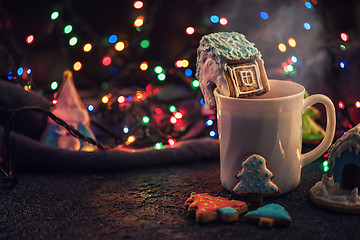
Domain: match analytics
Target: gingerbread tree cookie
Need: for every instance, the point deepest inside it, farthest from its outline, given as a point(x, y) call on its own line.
point(206, 208)
point(269, 215)
point(255, 180)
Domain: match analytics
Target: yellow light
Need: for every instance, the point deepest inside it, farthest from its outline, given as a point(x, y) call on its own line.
point(139, 21)
point(185, 63)
point(292, 42)
point(26, 87)
point(77, 66)
point(105, 99)
point(130, 140)
point(87, 47)
point(144, 66)
point(282, 47)
point(139, 95)
point(119, 46)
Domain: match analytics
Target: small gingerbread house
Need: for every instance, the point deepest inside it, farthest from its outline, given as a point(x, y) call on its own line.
point(345, 159)
point(240, 61)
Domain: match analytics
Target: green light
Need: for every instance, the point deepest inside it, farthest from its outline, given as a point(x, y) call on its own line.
point(138, 29)
point(54, 85)
point(326, 163)
point(73, 41)
point(68, 29)
point(195, 83)
point(54, 15)
point(342, 47)
point(290, 68)
point(326, 168)
point(161, 77)
point(158, 69)
point(104, 85)
point(158, 145)
point(146, 119)
point(172, 108)
point(144, 44)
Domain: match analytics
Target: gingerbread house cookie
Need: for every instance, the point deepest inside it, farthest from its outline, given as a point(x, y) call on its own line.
point(341, 191)
point(232, 63)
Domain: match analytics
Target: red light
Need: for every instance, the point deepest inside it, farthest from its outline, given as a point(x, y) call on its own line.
point(171, 141)
point(344, 37)
point(173, 120)
point(284, 64)
point(357, 104)
point(178, 64)
point(223, 21)
point(121, 99)
point(30, 39)
point(138, 4)
point(341, 105)
point(54, 102)
point(190, 30)
point(106, 61)
point(158, 111)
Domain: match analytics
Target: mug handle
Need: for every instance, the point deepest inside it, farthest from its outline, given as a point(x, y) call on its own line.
point(309, 157)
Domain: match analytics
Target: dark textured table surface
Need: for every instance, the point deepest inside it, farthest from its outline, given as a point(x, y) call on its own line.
point(149, 204)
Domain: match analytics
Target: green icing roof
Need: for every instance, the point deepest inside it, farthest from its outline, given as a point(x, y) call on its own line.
point(271, 211)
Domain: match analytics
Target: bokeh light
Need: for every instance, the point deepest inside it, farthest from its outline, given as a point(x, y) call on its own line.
point(87, 47)
point(344, 37)
point(138, 4)
point(73, 41)
point(68, 29)
point(292, 42)
point(106, 61)
point(214, 19)
point(264, 15)
point(161, 77)
point(190, 30)
point(29, 39)
point(113, 38)
point(308, 5)
point(54, 15)
point(139, 21)
point(54, 85)
point(144, 43)
point(223, 21)
point(282, 47)
point(119, 46)
point(144, 66)
point(77, 66)
point(307, 26)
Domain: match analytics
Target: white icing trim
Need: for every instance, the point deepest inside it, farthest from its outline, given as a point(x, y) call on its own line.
point(348, 142)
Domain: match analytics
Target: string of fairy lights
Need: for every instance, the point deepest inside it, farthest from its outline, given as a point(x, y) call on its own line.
point(138, 109)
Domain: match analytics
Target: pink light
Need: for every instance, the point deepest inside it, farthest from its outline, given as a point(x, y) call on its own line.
point(223, 21)
point(106, 60)
point(341, 105)
point(121, 99)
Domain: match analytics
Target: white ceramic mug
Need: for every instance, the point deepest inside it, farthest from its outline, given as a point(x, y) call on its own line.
point(269, 125)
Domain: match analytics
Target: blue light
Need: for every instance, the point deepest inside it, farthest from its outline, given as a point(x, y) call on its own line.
point(214, 19)
point(28, 71)
point(294, 59)
point(299, 63)
point(212, 133)
point(20, 71)
point(264, 15)
point(91, 108)
point(209, 122)
point(188, 72)
point(10, 75)
point(125, 129)
point(129, 98)
point(308, 5)
point(202, 101)
point(307, 26)
point(342, 64)
point(113, 38)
